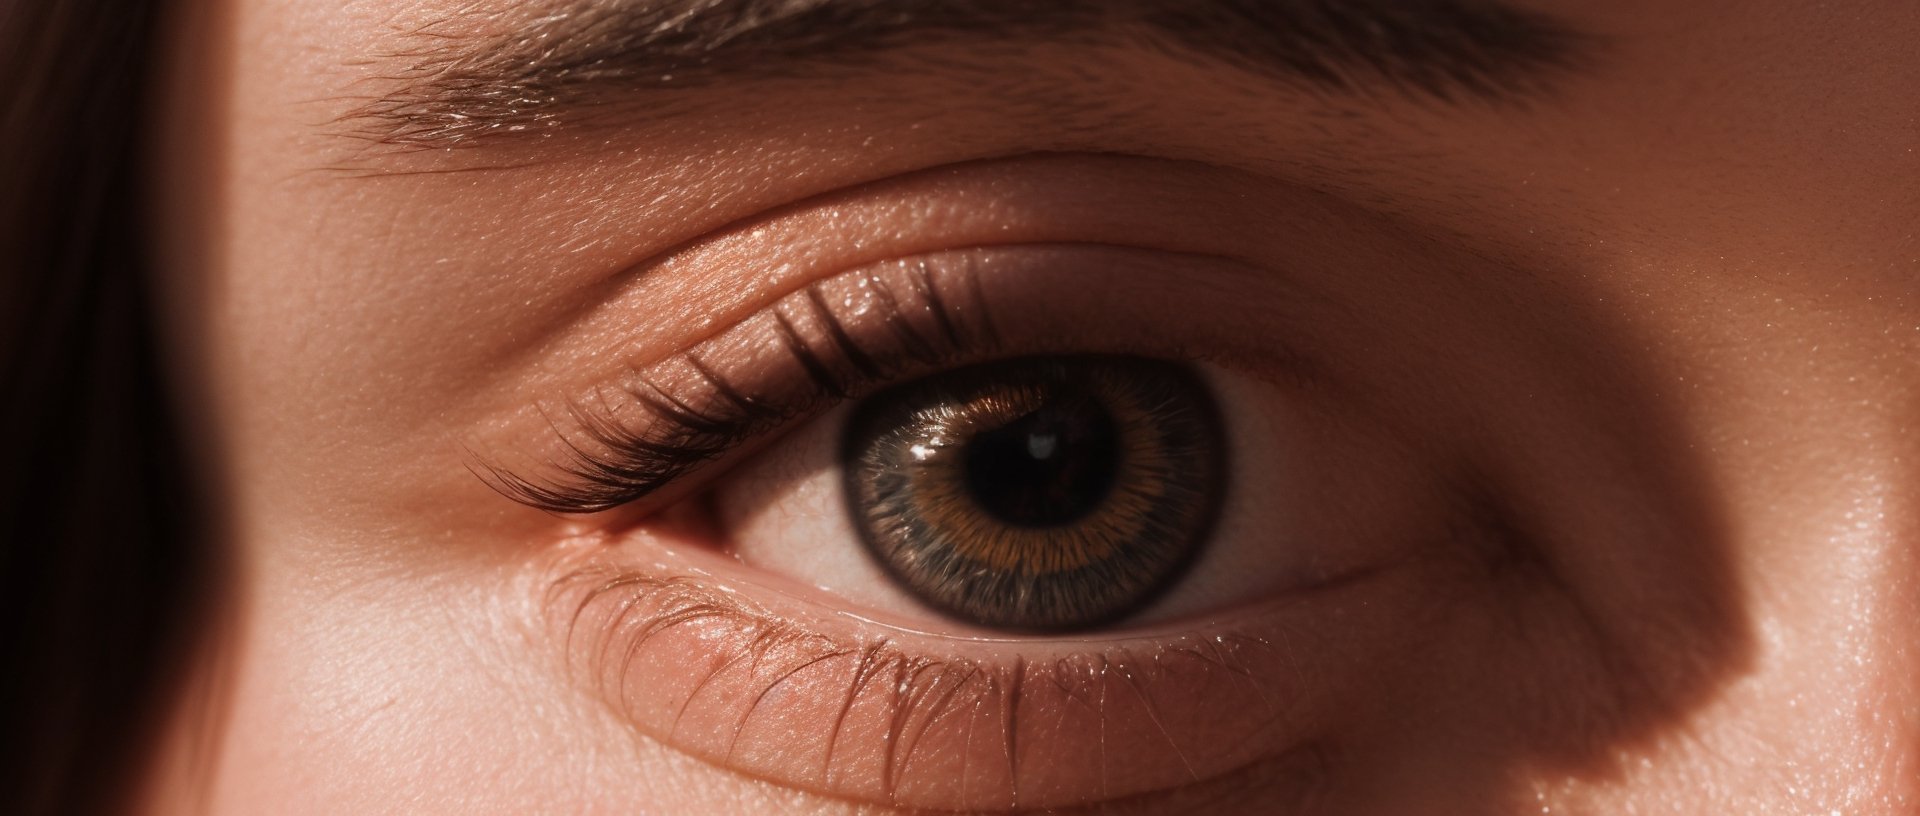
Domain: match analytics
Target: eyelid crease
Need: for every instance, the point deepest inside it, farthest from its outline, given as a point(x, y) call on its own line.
point(612, 459)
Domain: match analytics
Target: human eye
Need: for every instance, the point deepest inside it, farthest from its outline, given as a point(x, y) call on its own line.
point(1002, 527)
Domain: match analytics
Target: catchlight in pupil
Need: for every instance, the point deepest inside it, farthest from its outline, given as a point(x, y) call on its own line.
point(1049, 467)
point(1040, 493)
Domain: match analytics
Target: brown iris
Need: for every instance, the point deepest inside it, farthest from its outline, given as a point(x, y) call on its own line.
point(1041, 493)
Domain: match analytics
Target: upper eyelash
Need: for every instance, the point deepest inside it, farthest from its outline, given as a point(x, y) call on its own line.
point(624, 459)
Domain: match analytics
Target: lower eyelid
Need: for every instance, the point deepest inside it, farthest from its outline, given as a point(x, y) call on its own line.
point(838, 706)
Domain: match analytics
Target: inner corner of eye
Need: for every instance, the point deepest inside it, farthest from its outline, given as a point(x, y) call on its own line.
point(1032, 494)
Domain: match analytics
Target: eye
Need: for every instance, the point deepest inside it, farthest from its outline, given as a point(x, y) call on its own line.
point(1038, 494)
point(963, 532)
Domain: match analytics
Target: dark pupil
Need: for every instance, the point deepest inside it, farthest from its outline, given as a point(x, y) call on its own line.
point(1050, 467)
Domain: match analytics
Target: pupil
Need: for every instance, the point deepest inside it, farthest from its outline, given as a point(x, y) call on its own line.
point(1049, 467)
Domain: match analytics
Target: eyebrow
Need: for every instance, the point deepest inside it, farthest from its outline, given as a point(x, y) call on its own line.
point(456, 88)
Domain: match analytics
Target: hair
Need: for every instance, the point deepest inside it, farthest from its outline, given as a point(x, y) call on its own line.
point(103, 551)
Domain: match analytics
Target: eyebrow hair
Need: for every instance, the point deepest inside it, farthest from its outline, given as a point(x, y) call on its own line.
point(456, 88)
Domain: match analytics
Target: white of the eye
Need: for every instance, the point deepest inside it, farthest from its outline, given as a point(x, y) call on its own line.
point(786, 514)
point(1301, 504)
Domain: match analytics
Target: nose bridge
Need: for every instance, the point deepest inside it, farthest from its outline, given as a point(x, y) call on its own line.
point(1811, 417)
point(1897, 615)
point(1875, 647)
point(1821, 474)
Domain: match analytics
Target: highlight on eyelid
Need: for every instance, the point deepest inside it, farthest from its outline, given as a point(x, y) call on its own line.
point(926, 722)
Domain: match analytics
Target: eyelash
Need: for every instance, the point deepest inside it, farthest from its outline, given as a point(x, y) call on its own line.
point(613, 460)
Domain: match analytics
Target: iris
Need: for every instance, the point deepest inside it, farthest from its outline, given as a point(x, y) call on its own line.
point(1039, 493)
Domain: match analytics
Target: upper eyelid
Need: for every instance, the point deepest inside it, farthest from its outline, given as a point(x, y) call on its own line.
point(949, 296)
point(612, 459)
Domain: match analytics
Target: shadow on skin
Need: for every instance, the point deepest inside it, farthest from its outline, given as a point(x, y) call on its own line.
point(1596, 612)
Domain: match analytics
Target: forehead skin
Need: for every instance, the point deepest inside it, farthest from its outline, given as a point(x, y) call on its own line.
point(1731, 183)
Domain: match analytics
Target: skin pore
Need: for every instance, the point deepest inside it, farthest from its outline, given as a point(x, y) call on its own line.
point(1572, 466)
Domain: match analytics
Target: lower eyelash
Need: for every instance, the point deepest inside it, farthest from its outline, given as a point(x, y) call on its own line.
point(617, 622)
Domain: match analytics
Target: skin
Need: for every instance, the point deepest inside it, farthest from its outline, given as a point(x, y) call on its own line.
point(1665, 319)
